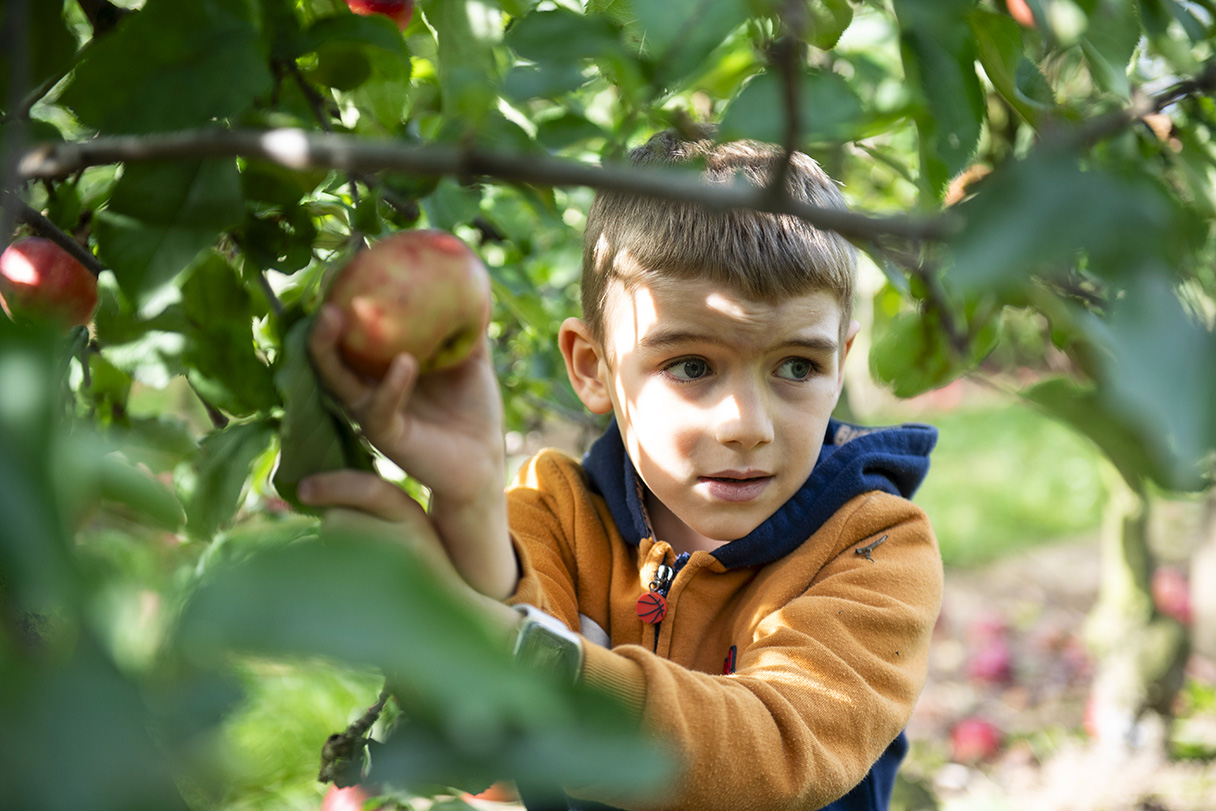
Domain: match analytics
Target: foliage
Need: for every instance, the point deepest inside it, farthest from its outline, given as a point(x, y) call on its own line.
point(216, 157)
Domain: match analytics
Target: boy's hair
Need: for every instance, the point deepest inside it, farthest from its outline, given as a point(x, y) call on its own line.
point(631, 238)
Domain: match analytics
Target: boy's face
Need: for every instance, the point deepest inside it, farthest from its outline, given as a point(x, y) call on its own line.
point(722, 401)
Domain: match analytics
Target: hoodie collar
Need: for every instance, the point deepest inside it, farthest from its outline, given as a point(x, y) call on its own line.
point(853, 460)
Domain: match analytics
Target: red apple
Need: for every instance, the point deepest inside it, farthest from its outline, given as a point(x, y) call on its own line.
point(344, 799)
point(1020, 11)
point(992, 662)
point(399, 11)
point(1171, 592)
point(423, 292)
point(974, 739)
point(41, 280)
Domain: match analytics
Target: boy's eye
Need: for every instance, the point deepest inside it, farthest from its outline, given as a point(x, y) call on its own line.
point(796, 368)
point(688, 369)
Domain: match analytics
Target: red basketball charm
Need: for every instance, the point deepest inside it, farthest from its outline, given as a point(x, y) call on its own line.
point(652, 607)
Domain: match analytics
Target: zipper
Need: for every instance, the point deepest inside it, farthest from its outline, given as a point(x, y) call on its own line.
point(652, 606)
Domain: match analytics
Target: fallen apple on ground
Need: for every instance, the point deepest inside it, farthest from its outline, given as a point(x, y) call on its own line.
point(39, 279)
point(973, 740)
point(399, 11)
point(424, 292)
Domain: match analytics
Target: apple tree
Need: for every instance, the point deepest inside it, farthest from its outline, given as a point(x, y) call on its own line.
point(1038, 167)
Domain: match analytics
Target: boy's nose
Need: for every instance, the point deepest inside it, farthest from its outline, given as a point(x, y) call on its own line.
point(743, 419)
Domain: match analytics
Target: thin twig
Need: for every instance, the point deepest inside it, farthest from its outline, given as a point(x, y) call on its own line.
point(45, 228)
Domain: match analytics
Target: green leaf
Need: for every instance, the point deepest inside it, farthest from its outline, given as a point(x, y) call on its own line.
point(111, 761)
point(1110, 41)
point(828, 109)
point(222, 363)
point(212, 486)
point(681, 34)
point(467, 32)
point(160, 217)
point(1159, 373)
point(48, 46)
point(472, 712)
point(376, 31)
point(1002, 53)
point(1039, 214)
point(939, 56)
point(122, 483)
point(911, 355)
point(312, 438)
point(829, 20)
point(172, 65)
point(561, 36)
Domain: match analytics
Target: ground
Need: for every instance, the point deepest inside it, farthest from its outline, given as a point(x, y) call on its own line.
point(1008, 650)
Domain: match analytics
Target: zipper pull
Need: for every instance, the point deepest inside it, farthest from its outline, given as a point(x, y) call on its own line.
point(652, 606)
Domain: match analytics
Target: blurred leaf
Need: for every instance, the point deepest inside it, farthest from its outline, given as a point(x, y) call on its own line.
point(278, 240)
point(77, 736)
point(829, 19)
point(939, 57)
point(34, 563)
point(472, 711)
point(468, 74)
point(222, 362)
point(211, 487)
point(828, 109)
point(312, 438)
point(375, 31)
point(1041, 213)
point(49, 47)
point(171, 66)
point(1003, 55)
point(161, 216)
point(561, 36)
point(1110, 41)
point(122, 483)
point(912, 356)
point(681, 34)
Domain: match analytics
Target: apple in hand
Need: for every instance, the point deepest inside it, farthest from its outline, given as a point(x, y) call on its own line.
point(424, 292)
point(399, 11)
point(41, 280)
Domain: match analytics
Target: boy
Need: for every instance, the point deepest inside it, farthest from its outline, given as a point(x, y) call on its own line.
point(761, 591)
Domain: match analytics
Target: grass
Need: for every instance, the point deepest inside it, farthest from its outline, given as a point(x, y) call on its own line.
point(1005, 478)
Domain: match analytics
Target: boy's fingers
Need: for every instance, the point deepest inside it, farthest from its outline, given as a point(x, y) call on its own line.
point(387, 400)
point(365, 492)
point(341, 381)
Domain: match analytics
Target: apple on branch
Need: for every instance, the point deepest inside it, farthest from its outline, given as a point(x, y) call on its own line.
point(39, 279)
point(399, 11)
point(424, 292)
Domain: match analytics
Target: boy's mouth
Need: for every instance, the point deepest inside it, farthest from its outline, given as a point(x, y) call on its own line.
point(731, 486)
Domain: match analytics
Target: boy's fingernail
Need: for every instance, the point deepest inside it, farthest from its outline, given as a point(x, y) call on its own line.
point(304, 491)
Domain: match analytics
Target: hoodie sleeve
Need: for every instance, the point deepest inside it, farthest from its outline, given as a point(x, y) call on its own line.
point(832, 654)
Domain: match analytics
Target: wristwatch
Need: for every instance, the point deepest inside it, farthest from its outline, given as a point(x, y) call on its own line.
point(543, 642)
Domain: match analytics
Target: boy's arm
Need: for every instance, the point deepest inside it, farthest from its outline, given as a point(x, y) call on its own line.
point(444, 429)
point(823, 684)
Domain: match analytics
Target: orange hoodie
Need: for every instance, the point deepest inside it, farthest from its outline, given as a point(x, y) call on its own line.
point(775, 683)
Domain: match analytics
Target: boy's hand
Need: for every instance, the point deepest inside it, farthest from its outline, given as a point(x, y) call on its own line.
point(445, 430)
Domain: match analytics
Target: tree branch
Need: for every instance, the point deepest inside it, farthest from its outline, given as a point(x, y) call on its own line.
point(298, 149)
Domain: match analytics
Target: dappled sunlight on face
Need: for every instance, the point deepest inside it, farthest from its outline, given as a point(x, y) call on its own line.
point(722, 400)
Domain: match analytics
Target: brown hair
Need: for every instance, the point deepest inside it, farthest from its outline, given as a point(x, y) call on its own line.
point(762, 256)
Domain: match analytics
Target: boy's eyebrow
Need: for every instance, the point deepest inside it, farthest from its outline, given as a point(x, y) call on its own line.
point(662, 339)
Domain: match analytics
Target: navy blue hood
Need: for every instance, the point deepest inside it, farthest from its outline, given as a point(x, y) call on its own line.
point(853, 460)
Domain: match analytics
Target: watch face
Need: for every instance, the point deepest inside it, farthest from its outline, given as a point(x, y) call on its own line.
point(548, 650)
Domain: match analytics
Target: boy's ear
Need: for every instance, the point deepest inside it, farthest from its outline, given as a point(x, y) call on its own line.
point(585, 365)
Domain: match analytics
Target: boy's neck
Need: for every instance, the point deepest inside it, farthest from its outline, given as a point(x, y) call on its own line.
point(670, 529)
